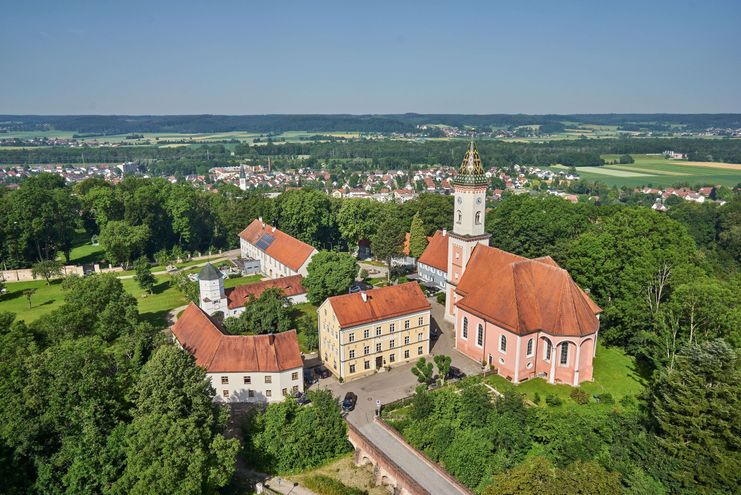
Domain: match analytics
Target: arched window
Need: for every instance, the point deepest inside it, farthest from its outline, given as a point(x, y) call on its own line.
point(480, 335)
point(458, 216)
point(529, 348)
point(503, 344)
point(564, 353)
point(547, 350)
point(464, 332)
point(478, 218)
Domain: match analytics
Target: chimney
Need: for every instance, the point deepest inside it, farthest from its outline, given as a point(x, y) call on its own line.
point(261, 222)
point(273, 229)
point(364, 296)
point(445, 232)
point(271, 338)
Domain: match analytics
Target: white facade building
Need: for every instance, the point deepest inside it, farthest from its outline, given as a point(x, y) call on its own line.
point(280, 255)
point(242, 368)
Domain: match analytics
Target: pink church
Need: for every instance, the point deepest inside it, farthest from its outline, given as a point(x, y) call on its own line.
point(526, 318)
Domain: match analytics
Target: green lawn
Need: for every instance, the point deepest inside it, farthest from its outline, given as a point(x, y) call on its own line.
point(614, 372)
point(153, 307)
point(82, 251)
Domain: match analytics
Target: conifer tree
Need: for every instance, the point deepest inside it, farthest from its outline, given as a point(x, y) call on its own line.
point(417, 237)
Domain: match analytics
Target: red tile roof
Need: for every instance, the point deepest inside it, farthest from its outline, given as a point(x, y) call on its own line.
point(285, 249)
point(380, 304)
point(436, 252)
point(524, 295)
point(217, 352)
point(291, 286)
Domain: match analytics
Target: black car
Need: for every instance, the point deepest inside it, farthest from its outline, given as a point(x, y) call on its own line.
point(301, 398)
point(322, 372)
point(455, 373)
point(348, 404)
point(309, 377)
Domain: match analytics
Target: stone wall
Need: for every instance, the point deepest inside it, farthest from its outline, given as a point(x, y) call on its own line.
point(25, 275)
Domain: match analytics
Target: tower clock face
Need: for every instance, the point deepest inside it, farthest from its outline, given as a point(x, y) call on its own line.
point(478, 201)
point(460, 200)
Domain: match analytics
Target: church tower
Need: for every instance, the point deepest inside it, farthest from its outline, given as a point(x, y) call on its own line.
point(469, 208)
point(211, 288)
point(242, 178)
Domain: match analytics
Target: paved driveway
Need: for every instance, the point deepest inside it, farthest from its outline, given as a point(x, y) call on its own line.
point(399, 382)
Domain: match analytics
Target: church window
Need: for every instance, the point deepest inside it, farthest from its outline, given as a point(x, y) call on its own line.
point(529, 348)
point(459, 216)
point(547, 350)
point(464, 332)
point(478, 218)
point(503, 343)
point(480, 335)
point(564, 353)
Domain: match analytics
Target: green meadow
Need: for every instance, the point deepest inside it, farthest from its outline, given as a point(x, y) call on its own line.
point(655, 170)
point(153, 307)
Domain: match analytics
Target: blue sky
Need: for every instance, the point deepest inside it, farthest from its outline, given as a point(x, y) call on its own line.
point(244, 57)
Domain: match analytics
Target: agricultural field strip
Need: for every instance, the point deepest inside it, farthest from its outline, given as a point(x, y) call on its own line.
point(645, 170)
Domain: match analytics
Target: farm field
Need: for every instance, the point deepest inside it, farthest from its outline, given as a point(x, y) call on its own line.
point(655, 170)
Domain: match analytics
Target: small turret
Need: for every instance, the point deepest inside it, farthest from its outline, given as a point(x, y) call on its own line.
point(211, 288)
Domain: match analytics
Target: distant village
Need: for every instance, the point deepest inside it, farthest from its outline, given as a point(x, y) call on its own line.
point(391, 185)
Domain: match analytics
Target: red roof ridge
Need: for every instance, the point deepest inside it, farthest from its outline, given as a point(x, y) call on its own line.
point(288, 250)
point(215, 351)
point(290, 286)
point(379, 304)
point(525, 295)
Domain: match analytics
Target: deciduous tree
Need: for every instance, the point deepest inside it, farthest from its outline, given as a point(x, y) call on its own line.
point(174, 443)
point(269, 313)
point(143, 275)
point(330, 274)
point(47, 269)
point(123, 242)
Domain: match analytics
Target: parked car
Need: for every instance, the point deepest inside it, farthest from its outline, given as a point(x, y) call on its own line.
point(348, 404)
point(455, 373)
point(301, 398)
point(359, 286)
point(322, 372)
point(309, 377)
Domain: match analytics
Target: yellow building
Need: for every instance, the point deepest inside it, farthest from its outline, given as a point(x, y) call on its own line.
point(363, 332)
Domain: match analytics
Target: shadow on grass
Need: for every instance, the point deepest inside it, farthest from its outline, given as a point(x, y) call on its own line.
point(157, 319)
point(160, 288)
point(89, 259)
